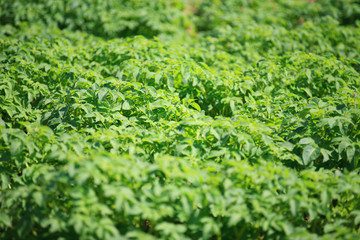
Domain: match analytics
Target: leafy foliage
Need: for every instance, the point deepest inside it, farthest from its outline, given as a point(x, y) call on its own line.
point(224, 120)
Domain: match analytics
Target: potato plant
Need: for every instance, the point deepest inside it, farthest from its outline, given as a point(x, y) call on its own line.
point(182, 119)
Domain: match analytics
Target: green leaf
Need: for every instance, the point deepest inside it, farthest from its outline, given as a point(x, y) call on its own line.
point(38, 198)
point(158, 77)
point(5, 219)
point(325, 197)
point(350, 152)
point(135, 72)
point(16, 147)
point(102, 93)
point(196, 106)
point(306, 141)
point(307, 91)
point(186, 76)
point(309, 154)
point(355, 161)
point(288, 227)
point(2, 122)
point(126, 105)
point(357, 216)
point(5, 180)
point(344, 144)
point(308, 74)
point(288, 145)
point(325, 154)
point(170, 82)
point(234, 219)
point(294, 206)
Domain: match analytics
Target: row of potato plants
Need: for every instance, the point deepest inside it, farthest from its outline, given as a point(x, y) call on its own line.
point(225, 120)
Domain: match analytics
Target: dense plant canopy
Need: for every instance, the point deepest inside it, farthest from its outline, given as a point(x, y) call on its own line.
point(179, 119)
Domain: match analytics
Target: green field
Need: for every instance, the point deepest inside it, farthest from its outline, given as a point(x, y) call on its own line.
point(179, 119)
